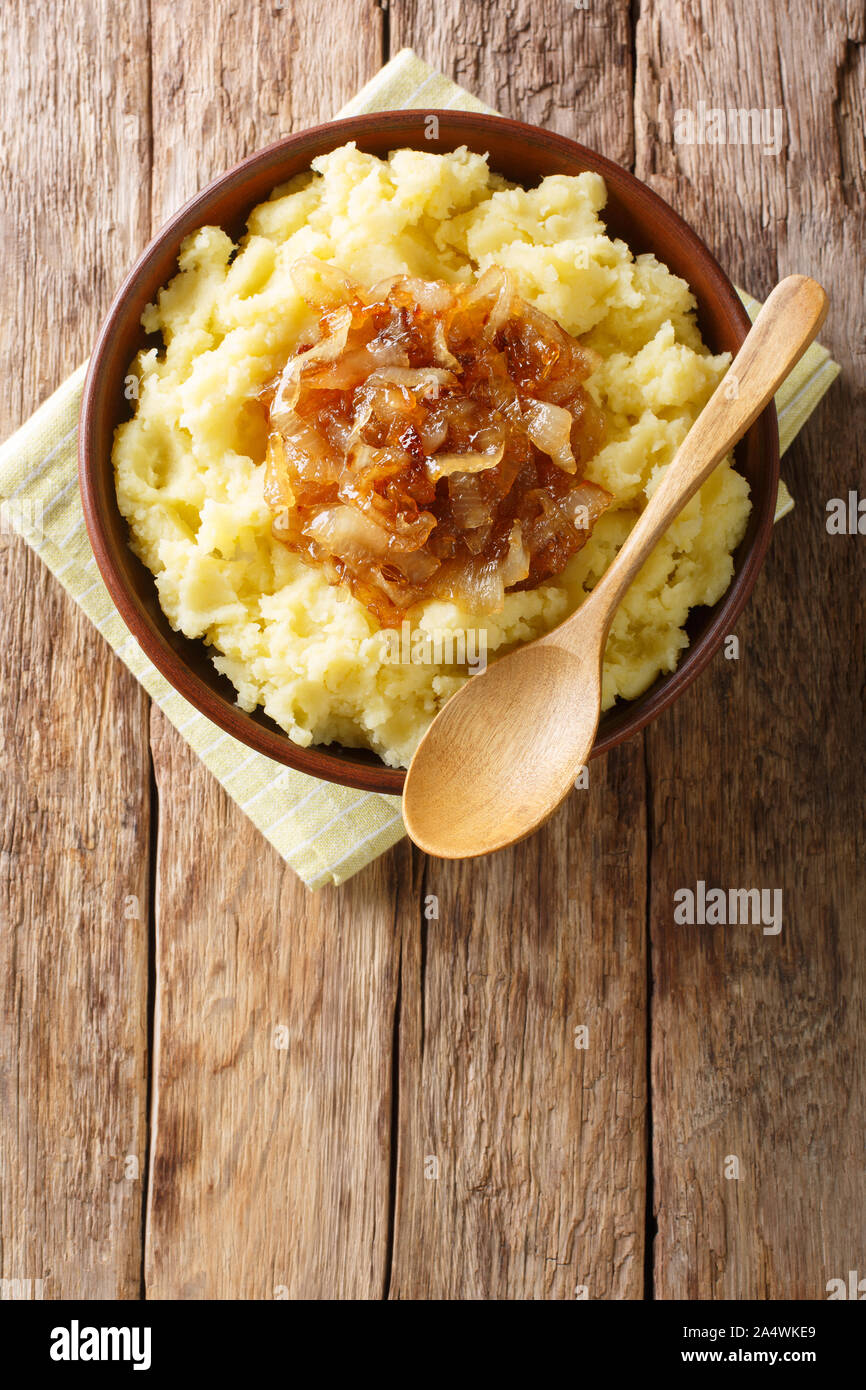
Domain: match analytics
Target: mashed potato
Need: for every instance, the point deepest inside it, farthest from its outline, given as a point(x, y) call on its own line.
point(189, 465)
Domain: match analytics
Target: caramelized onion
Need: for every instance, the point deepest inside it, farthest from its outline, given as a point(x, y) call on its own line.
point(428, 442)
point(446, 465)
point(549, 428)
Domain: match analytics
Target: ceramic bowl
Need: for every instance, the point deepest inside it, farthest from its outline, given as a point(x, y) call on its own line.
point(523, 154)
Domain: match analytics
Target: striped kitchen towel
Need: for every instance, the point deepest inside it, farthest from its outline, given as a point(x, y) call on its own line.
point(325, 832)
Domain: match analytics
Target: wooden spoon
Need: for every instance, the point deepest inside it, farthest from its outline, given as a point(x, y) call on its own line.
point(505, 750)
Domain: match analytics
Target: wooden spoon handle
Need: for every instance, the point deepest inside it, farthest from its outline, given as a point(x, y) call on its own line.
point(783, 330)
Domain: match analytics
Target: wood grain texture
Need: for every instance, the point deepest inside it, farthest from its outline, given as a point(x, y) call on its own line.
point(274, 1027)
point(73, 722)
point(522, 1145)
point(229, 78)
point(315, 1054)
point(540, 1145)
point(549, 62)
point(758, 1039)
point(270, 1168)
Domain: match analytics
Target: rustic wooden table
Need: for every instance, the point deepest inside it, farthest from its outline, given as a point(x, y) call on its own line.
point(435, 1126)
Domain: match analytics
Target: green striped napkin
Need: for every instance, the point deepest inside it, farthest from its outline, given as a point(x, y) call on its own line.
point(325, 832)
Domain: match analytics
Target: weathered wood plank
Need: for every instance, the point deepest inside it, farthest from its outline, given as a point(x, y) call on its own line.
point(540, 1144)
point(546, 61)
point(756, 777)
point(74, 152)
point(228, 79)
point(274, 1030)
point(270, 1167)
point(522, 1146)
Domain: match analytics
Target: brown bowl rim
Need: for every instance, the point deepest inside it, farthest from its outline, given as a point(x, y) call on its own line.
point(317, 761)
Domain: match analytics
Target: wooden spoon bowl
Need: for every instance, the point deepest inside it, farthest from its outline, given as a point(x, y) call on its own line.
point(504, 751)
